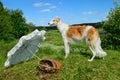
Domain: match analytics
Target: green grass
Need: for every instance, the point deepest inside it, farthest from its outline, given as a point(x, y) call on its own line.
point(75, 67)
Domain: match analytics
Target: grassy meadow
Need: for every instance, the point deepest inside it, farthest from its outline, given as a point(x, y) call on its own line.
point(75, 67)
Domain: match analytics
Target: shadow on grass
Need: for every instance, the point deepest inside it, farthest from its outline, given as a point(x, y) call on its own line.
point(84, 51)
point(81, 50)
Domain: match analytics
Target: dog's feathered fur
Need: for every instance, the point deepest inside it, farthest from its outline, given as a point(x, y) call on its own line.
point(89, 33)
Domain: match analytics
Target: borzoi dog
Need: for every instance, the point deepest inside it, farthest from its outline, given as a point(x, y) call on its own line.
point(89, 33)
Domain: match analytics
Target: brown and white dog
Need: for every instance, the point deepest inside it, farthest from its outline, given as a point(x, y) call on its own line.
point(89, 33)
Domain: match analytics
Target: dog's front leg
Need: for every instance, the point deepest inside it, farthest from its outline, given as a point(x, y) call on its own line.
point(66, 46)
point(67, 49)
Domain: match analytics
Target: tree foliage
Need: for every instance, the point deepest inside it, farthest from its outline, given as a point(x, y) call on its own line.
point(5, 24)
point(112, 28)
point(30, 26)
point(12, 24)
point(18, 23)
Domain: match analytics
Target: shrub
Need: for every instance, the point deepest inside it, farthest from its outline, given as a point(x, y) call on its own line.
point(111, 39)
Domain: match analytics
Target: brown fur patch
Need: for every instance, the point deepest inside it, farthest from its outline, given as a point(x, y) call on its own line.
point(92, 34)
point(75, 31)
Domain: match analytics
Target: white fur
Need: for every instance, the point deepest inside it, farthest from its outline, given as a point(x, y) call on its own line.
point(86, 30)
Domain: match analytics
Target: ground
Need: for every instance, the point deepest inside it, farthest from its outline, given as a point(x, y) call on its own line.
point(75, 67)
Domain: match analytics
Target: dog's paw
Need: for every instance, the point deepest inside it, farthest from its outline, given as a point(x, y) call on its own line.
point(66, 56)
point(90, 60)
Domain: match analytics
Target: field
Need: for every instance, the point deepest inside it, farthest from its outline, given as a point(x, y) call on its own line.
point(75, 67)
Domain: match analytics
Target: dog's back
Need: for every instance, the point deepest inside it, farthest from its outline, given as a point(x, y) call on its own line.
point(78, 32)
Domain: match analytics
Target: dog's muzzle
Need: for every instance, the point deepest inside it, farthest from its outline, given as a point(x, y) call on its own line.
point(51, 24)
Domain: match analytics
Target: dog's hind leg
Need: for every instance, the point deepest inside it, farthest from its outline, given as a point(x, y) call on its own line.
point(94, 54)
point(92, 48)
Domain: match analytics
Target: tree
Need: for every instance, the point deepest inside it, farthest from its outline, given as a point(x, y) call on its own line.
point(12, 24)
point(18, 23)
point(5, 24)
point(112, 28)
point(30, 26)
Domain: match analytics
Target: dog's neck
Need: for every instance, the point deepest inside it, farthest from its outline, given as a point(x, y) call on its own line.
point(62, 27)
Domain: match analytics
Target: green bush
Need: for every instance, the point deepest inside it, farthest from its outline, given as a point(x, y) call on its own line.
point(111, 39)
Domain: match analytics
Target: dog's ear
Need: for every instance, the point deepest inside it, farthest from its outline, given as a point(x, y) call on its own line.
point(57, 19)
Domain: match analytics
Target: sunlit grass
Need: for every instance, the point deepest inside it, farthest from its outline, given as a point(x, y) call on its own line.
point(75, 67)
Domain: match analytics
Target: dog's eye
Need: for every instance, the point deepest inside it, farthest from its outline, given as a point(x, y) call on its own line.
point(53, 20)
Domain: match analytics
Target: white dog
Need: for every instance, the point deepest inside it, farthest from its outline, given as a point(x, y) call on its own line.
point(89, 33)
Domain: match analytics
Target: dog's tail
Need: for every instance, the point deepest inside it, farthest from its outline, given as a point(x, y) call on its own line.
point(99, 51)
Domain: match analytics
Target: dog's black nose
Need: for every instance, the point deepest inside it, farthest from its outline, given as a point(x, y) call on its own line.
point(48, 23)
